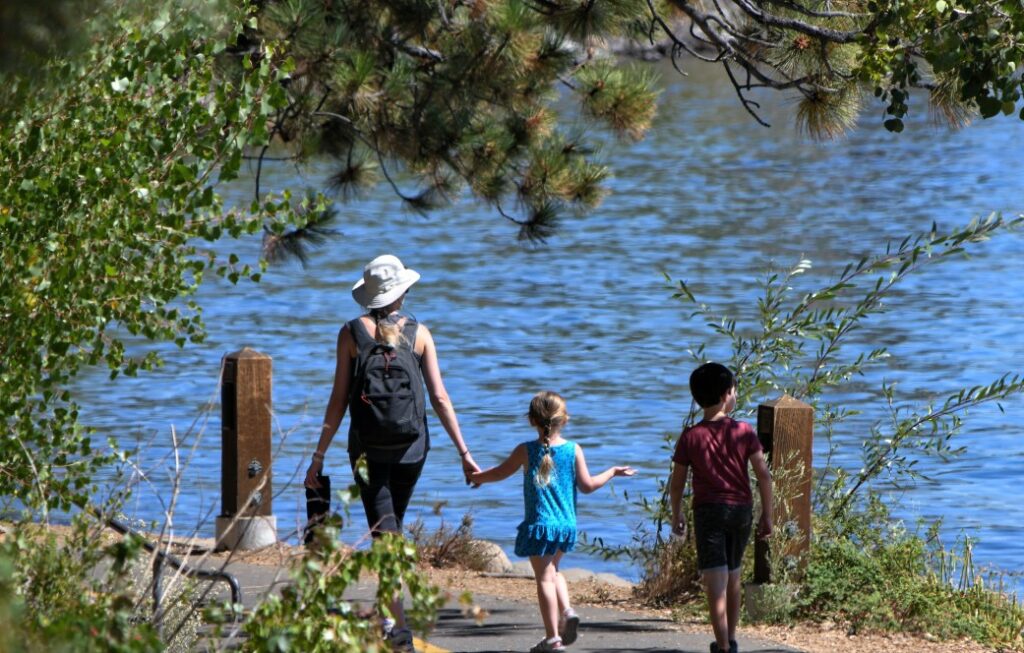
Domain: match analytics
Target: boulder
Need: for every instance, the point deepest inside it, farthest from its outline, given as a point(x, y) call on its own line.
point(522, 568)
point(488, 557)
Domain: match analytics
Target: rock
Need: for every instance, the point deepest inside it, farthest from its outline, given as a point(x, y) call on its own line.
point(613, 580)
point(488, 557)
point(577, 574)
point(523, 569)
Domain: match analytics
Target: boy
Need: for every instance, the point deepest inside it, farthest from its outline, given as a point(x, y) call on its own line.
point(718, 449)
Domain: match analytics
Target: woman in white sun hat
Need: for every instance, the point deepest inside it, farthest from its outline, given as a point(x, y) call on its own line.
point(383, 359)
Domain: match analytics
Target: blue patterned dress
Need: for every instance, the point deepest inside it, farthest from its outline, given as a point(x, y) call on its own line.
point(550, 522)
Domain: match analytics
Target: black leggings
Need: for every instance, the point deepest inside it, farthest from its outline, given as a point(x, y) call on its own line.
point(386, 495)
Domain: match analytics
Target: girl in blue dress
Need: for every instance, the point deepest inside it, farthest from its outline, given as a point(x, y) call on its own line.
point(553, 470)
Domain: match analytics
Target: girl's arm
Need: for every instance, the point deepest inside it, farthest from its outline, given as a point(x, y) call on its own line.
point(514, 461)
point(587, 483)
point(440, 401)
point(336, 405)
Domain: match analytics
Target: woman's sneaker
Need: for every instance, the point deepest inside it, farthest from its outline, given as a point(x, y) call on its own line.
point(548, 645)
point(400, 640)
point(568, 626)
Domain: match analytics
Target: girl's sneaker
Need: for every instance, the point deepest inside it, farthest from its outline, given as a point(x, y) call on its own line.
point(568, 626)
point(548, 645)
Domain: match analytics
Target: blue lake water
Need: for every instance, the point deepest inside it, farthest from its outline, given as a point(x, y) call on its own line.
point(710, 197)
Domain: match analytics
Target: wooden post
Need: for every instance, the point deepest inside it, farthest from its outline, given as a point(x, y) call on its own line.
point(246, 520)
point(785, 427)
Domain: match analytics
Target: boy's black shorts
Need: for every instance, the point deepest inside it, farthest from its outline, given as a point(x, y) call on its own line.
point(722, 532)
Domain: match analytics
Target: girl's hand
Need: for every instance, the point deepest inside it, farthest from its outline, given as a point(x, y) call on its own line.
point(469, 467)
point(315, 467)
point(624, 470)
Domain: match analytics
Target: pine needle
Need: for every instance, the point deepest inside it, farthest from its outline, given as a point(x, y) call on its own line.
point(296, 243)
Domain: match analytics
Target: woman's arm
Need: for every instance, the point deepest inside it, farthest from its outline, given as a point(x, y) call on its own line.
point(587, 483)
point(515, 460)
point(336, 405)
point(440, 401)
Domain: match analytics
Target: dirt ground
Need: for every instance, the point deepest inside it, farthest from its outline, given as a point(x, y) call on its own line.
point(813, 638)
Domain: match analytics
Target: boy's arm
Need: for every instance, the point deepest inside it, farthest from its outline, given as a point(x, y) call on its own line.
point(587, 483)
point(515, 460)
point(764, 486)
point(677, 485)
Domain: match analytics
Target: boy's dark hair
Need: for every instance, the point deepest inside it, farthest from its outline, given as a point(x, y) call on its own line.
point(709, 382)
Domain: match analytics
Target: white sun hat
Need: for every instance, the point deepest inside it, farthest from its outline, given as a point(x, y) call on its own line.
point(384, 280)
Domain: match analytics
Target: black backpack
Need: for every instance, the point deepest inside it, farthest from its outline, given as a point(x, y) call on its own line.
point(386, 401)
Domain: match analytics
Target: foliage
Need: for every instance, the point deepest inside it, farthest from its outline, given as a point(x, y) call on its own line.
point(447, 546)
point(966, 54)
point(870, 573)
point(53, 596)
point(864, 570)
point(310, 615)
point(106, 205)
point(31, 32)
point(451, 95)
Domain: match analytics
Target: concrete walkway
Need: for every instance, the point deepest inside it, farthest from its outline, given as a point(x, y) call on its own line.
point(515, 625)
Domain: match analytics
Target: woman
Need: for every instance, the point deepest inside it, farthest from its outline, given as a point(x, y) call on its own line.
point(394, 460)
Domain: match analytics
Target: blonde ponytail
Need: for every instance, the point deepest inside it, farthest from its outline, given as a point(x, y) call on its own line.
point(547, 464)
point(548, 415)
point(388, 330)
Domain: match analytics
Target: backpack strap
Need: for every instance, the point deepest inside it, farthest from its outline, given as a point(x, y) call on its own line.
point(359, 333)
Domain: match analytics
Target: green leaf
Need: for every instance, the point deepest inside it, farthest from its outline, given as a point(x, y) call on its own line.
point(989, 106)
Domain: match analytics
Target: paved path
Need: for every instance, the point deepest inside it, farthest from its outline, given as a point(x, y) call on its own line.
point(515, 625)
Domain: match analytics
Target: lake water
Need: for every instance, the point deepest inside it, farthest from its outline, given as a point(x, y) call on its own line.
point(710, 197)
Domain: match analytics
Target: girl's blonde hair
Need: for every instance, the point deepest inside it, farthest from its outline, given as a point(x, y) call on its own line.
point(548, 415)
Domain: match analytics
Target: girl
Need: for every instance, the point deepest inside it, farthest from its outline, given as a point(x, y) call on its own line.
point(554, 469)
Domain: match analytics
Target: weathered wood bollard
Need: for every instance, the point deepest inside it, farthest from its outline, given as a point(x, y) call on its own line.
point(785, 427)
point(246, 520)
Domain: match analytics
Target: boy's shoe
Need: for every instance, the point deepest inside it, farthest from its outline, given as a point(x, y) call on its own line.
point(548, 645)
point(568, 626)
point(400, 640)
point(733, 646)
point(386, 626)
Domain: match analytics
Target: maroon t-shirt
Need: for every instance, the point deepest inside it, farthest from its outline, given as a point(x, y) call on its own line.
point(718, 453)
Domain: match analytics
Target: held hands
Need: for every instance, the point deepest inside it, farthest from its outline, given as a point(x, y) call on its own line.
point(469, 467)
